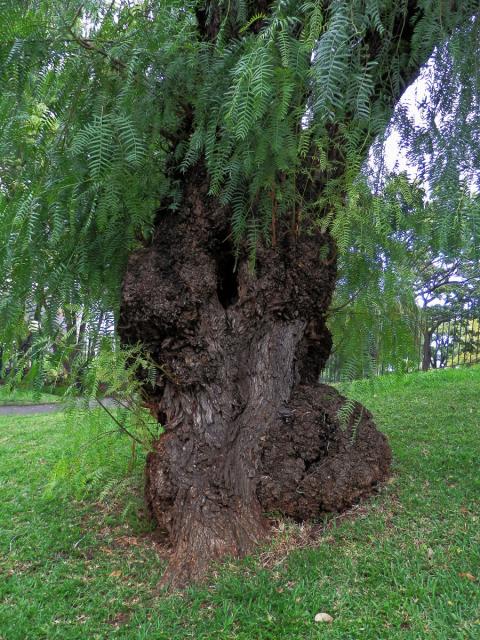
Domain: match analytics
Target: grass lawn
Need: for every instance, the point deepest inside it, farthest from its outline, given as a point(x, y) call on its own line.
point(25, 396)
point(404, 565)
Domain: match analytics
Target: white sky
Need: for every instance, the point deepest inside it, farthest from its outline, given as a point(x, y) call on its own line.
point(395, 157)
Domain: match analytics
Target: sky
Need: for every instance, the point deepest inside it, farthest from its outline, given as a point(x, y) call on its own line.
point(395, 156)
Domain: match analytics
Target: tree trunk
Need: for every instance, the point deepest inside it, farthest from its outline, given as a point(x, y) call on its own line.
point(427, 350)
point(247, 428)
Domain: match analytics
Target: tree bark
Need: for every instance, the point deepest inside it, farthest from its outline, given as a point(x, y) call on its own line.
point(427, 350)
point(247, 428)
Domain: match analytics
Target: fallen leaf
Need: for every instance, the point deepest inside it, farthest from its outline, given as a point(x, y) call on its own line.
point(429, 553)
point(468, 576)
point(82, 619)
point(323, 617)
point(127, 541)
point(119, 619)
point(115, 574)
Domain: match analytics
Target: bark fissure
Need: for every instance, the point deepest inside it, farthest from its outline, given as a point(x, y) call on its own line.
point(227, 282)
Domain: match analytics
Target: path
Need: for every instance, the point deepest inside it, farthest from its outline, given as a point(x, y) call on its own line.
point(30, 409)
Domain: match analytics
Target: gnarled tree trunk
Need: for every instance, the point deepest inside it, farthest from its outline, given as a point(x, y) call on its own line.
point(247, 428)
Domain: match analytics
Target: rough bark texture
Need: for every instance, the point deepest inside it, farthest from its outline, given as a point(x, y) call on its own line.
point(248, 429)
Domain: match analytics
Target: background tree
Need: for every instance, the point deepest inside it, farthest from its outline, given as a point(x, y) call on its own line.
point(450, 294)
point(400, 280)
point(217, 144)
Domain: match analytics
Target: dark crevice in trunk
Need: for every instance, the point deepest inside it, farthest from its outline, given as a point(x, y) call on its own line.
point(227, 281)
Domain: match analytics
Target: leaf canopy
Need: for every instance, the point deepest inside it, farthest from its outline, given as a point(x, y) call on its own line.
point(107, 106)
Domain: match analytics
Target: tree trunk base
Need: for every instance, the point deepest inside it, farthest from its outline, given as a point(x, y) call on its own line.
point(312, 459)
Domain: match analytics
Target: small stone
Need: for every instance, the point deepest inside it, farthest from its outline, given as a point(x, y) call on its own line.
point(323, 617)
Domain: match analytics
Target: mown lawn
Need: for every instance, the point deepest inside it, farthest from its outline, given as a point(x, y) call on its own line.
point(25, 396)
point(404, 565)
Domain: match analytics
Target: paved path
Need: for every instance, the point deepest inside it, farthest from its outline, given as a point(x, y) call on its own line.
point(30, 409)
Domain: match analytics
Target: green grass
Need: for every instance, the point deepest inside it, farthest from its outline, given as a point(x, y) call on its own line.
point(400, 569)
point(25, 396)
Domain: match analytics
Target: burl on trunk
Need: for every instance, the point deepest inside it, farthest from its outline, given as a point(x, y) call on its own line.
point(248, 430)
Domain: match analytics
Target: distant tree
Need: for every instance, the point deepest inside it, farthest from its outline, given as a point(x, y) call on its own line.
point(403, 281)
point(449, 292)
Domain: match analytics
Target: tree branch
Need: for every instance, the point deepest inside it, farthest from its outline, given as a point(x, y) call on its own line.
point(117, 422)
point(116, 63)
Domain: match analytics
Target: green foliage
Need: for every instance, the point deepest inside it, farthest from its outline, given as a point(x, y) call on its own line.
point(118, 372)
point(123, 376)
point(394, 251)
point(106, 108)
point(112, 410)
point(85, 466)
